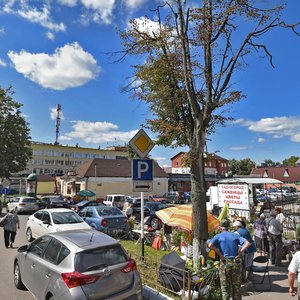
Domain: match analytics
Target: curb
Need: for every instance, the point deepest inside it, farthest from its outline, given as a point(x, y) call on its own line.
point(152, 294)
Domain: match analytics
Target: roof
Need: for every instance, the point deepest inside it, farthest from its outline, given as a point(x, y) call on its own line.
point(250, 180)
point(284, 174)
point(206, 156)
point(44, 178)
point(113, 168)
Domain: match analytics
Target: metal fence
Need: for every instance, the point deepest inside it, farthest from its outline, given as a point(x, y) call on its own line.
point(179, 283)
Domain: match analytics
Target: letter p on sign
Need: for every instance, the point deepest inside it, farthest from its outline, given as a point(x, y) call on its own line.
point(142, 169)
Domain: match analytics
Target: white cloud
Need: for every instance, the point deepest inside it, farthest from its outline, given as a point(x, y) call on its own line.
point(41, 16)
point(97, 133)
point(99, 11)
point(239, 148)
point(146, 25)
point(70, 3)
point(53, 114)
point(2, 63)
point(261, 140)
point(277, 127)
point(68, 67)
point(134, 4)
point(50, 35)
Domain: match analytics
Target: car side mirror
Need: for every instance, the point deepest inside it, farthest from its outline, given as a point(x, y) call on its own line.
point(23, 248)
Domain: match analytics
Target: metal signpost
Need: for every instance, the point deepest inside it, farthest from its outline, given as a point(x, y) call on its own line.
point(142, 171)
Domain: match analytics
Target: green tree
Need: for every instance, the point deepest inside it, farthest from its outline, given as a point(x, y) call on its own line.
point(185, 75)
point(14, 135)
point(234, 167)
point(290, 162)
point(246, 166)
point(268, 163)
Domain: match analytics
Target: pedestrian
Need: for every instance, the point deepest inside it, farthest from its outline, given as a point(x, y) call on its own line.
point(275, 239)
point(229, 246)
point(167, 230)
point(129, 210)
point(294, 269)
point(241, 229)
point(10, 222)
point(279, 215)
point(260, 235)
point(267, 207)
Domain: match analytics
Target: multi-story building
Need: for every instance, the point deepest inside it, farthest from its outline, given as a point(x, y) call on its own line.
point(215, 167)
point(61, 159)
point(213, 164)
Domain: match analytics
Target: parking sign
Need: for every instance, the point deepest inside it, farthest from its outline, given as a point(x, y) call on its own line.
point(142, 169)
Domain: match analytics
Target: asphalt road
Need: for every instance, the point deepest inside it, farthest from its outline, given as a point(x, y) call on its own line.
point(7, 288)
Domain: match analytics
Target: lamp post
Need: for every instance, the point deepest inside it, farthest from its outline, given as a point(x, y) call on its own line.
point(95, 181)
point(216, 172)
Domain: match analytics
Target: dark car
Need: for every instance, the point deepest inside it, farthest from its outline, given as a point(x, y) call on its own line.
point(150, 208)
point(157, 198)
point(84, 203)
point(52, 201)
point(175, 197)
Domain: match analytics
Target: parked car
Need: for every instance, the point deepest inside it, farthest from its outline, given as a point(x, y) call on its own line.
point(157, 198)
point(77, 265)
point(52, 201)
point(84, 203)
point(23, 204)
point(107, 219)
point(51, 220)
point(174, 197)
point(150, 208)
point(116, 200)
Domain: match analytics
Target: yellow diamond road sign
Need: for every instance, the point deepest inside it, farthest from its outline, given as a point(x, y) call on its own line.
point(141, 143)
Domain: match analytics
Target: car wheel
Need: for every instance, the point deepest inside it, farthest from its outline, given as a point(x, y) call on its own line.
point(17, 278)
point(29, 235)
point(154, 223)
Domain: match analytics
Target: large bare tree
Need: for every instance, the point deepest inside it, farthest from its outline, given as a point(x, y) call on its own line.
point(188, 56)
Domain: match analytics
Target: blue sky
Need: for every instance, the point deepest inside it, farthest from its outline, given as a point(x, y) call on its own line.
point(55, 52)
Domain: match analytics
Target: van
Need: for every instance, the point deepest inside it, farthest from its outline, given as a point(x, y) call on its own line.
point(116, 200)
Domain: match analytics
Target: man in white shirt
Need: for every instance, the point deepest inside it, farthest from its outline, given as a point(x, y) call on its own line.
point(275, 239)
point(294, 269)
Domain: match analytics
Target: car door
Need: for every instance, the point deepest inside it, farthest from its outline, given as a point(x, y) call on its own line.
point(32, 270)
point(35, 222)
point(89, 217)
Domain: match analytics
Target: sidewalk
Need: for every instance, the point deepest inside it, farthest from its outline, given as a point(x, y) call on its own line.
point(279, 285)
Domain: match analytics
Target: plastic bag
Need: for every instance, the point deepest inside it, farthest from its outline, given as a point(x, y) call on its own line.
point(156, 243)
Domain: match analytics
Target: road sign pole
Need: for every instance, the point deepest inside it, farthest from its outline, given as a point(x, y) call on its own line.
point(142, 224)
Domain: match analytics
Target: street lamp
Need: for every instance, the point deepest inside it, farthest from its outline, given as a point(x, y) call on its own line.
point(95, 181)
point(216, 172)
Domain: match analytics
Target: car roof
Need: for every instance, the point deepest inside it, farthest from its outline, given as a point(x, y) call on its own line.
point(57, 210)
point(84, 238)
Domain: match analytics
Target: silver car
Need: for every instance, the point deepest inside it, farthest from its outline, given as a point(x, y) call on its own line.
point(23, 204)
point(78, 265)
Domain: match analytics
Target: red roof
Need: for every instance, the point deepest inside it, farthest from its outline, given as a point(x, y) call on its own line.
point(284, 174)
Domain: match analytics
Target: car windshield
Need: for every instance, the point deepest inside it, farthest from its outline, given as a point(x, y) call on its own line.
point(108, 211)
point(99, 258)
point(29, 200)
point(155, 206)
point(68, 217)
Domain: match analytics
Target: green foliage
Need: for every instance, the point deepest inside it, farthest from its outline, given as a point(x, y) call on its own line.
point(291, 161)
point(268, 163)
point(241, 167)
point(14, 135)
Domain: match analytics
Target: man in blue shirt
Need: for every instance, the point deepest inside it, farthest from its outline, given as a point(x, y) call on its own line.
point(230, 247)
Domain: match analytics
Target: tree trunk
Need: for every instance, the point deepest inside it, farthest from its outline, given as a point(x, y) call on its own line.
point(198, 191)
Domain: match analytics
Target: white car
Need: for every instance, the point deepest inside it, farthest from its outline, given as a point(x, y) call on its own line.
point(52, 220)
point(23, 204)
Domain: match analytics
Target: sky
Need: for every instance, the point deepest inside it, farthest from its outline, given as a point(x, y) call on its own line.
point(57, 52)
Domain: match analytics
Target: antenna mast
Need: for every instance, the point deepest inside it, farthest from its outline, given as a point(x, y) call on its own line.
point(58, 112)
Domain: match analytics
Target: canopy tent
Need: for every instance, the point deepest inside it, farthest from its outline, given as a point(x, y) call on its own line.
point(250, 180)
